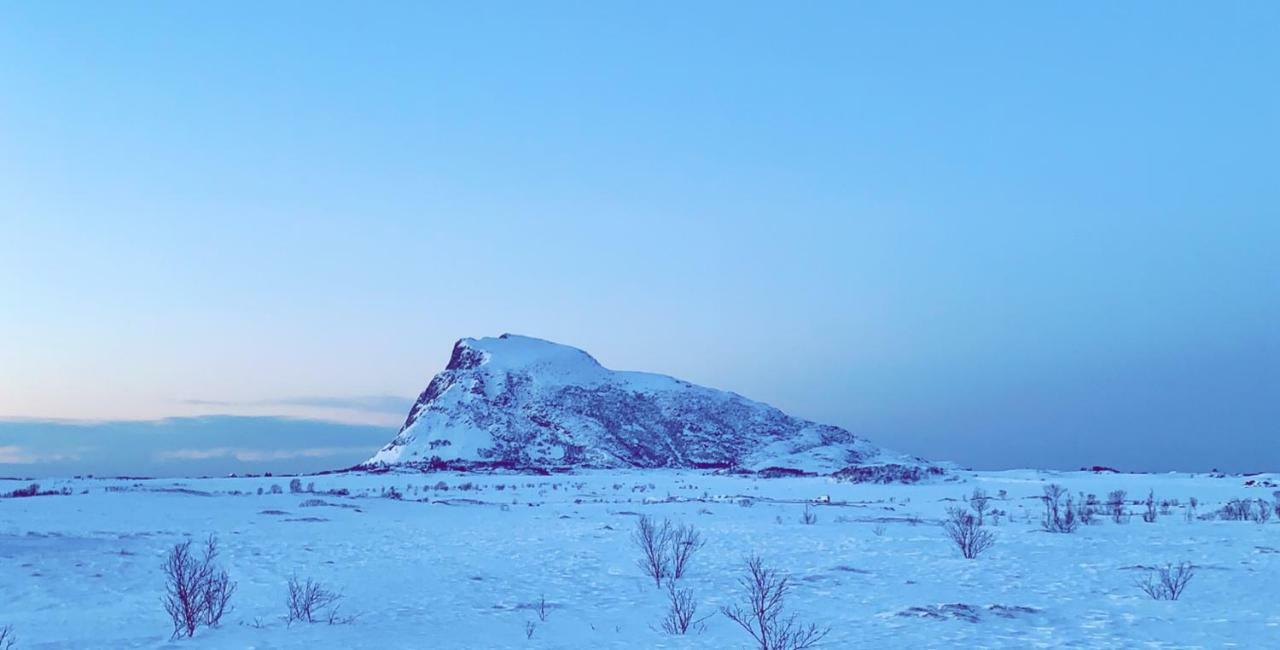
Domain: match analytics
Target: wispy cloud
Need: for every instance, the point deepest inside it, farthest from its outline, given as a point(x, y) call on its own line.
point(257, 455)
point(189, 446)
point(388, 404)
point(15, 455)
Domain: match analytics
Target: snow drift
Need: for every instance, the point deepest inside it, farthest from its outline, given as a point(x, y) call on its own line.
point(521, 402)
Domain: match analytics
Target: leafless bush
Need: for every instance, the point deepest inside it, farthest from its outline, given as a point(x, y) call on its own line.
point(1059, 515)
point(878, 531)
point(7, 639)
point(29, 491)
point(979, 501)
point(763, 616)
point(1115, 505)
point(295, 486)
point(681, 609)
point(1089, 507)
point(529, 627)
point(808, 517)
point(540, 608)
point(1236, 510)
point(1167, 582)
point(969, 536)
point(197, 590)
point(217, 597)
point(1149, 514)
point(654, 542)
point(685, 541)
point(308, 600)
point(1263, 512)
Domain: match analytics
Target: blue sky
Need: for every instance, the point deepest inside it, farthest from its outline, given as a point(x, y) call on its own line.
point(1005, 234)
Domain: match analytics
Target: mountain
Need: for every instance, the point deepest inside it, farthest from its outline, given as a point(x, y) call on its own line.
point(516, 401)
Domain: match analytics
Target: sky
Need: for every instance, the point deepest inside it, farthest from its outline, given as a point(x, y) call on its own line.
point(1004, 234)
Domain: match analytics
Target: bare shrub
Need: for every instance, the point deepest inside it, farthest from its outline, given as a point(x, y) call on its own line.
point(1087, 509)
point(763, 616)
point(1149, 514)
point(1166, 582)
point(808, 517)
point(7, 639)
point(529, 627)
point(1263, 512)
point(29, 491)
point(197, 590)
point(654, 542)
point(1236, 510)
point(217, 597)
point(681, 609)
point(980, 502)
point(685, 541)
point(1115, 505)
point(1059, 515)
point(295, 486)
point(541, 609)
point(308, 600)
point(969, 536)
point(878, 531)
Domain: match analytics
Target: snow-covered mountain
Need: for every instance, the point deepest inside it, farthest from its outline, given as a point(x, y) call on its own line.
point(516, 401)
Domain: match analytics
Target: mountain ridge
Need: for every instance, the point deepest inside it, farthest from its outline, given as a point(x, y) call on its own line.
point(522, 402)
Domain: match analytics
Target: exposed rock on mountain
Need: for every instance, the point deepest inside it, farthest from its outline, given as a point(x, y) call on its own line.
point(521, 402)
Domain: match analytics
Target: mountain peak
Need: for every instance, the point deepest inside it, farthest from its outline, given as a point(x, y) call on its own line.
point(519, 401)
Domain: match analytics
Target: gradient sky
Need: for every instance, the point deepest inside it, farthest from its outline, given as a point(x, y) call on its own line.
point(1006, 234)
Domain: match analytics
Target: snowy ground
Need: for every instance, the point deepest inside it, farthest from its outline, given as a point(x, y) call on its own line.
point(460, 568)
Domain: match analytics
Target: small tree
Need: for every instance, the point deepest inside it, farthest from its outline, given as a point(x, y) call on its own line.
point(654, 542)
point(969, 536)
point(197, 590)
point(1059, 515)
point(1167, 582)
point(1149, 514)
point(685, 541)
point(980, 502)
point(307, 599)
point(295, 486)
point(762, 614)
point(808, 517)
point(1115, 505)
point(681, 609)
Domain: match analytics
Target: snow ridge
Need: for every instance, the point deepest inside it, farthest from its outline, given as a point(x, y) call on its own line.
point(521, 402)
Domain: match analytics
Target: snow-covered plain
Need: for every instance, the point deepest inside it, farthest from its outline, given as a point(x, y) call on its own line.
point(462, 567)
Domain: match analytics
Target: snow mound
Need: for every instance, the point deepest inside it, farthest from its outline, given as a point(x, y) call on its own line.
point(521, 402)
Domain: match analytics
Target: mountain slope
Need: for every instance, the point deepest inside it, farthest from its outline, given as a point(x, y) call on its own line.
point(517, 401)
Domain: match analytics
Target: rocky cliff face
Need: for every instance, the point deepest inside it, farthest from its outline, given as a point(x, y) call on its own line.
point(515, 401)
